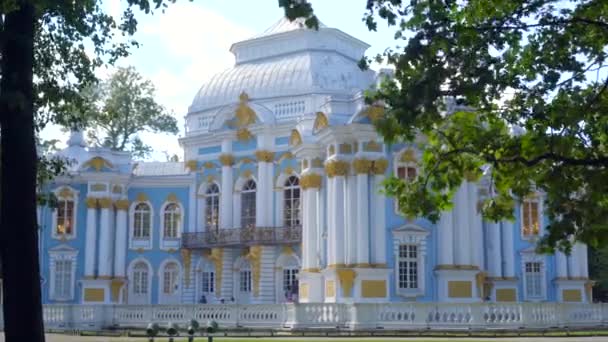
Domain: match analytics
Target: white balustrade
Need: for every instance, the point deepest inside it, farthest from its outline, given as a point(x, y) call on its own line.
point(389, 316)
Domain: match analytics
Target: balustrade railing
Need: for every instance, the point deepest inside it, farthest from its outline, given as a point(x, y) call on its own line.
point(388, 316)
point(243, 237)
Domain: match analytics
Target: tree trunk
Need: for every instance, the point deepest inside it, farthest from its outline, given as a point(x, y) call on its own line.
point(18, 227)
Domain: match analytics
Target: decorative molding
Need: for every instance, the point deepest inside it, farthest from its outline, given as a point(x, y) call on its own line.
point(94, 295)
point(311, 181)
point(97, 163)
point(330, 288)
point(288, 170)
point(379, 166)
point(243, 134)
point(117, 189)
point(187, 258)
point(255, 259)
point(331, 150)
point(408, 156)
point(317, 162)
point(362, 166)
point(142, 197)
point(295, 139)
point(246, 160)
point(373, 288)
point(246, 174)
point(66, 193)
point(91, 202)
point(171, 197)
point(226, 159)
point(217, 256)
point(347, 280)
point(286, 155)
point(122, 204)
point(345, 148)
point(321, 121)
point(192, 165)
point(506, 295)
point(374, 112)
point(105, 203)
point(210, 165)
point(210, 179)
point(244, 114)
point(264, 156)
point(372, 146)
point(460, 289)
point(336, 168)
point(288, 250)
point(99, 187)
point(303, 291)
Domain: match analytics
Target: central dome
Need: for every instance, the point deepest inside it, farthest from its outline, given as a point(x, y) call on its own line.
point(288, 59)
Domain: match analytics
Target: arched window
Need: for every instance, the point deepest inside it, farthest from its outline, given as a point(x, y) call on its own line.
point(212, 207)
point(291, 209)
point(171, 217)
point(141, 221)
point(248, 205)
point(170, 279)
point(65, 216)
point(140, 279)
point(530, 217)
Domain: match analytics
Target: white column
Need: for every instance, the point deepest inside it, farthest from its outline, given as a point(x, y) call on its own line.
point(475, 228)
point(260, 196)
point(226, 196)
point(331, 222)
point(339, 223)
point(561, 261)
point(90, 238)
point(379, 216)
point(106, 238)
point(321, 221)
point(362, 217)
point(463, 238)
point(192, 212)
point(120, 246)
point(583, 260)
point(309, 228)
point(494, 257)
point(351, 209)
point(269, 200)
point(446, 238)
point(508, 249)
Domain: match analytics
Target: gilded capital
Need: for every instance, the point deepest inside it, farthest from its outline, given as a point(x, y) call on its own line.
point(122, 204)
point(105, 202)
point(336, 168)
point(311, 180)
point(243, 134)
point(191, 165)
point(264, 156)
point(227, 159)
point(379, 166)
point(362, 166)
point(91, 202)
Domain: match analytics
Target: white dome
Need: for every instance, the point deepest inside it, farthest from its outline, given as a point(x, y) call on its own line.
point(287, 60)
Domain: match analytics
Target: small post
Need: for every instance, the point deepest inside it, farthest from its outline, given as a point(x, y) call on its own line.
point(152, 331)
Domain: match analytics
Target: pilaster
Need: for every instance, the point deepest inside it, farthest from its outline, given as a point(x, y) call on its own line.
point(106, 239)
point(90, 238)
point(226, 197)
point(120, 246)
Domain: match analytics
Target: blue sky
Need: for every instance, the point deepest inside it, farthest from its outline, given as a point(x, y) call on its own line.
point(186, 45)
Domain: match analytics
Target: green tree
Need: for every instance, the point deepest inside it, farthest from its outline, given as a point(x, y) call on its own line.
point(527, 83)
point(121, 107)
point(45, 39)
point(528, 80)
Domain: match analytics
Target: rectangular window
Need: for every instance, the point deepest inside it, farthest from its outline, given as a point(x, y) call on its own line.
point(245, 281)
point(530, 218)
point(407, 173)
point(141, 225)
point(408, 267)
point(63, 279)
point(290, 280)
point(533, 277)
point(65, 217)
point(208, 282)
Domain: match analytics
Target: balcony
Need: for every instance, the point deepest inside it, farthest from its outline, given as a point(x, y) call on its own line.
point(235, 237)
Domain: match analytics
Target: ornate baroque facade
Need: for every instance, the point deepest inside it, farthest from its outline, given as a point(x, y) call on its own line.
point(279, 200)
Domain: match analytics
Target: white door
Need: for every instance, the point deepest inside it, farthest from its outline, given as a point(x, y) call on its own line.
point(139, 287)
point(170, 291)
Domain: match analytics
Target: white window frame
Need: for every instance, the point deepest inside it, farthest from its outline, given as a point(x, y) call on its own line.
point(255, 204)
point(139, 283)
point(294, 219)
point(173, 242)
point(137, 243)
point(162, 296)
point(410, 235)
point(536, 197)
point(208, 278)
point(207, 197)
point(529, 255)
point(62, 253)
point(131, 274)
point(397, 163)
point(245, 285)
point(407, 259)
point(74, 199)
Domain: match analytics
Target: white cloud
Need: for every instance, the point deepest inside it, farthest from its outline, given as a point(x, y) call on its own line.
point(181, 49)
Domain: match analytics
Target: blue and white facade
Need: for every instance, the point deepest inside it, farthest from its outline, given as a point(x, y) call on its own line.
point(279, 200)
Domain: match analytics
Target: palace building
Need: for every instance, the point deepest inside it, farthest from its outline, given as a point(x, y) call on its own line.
point(279, 200)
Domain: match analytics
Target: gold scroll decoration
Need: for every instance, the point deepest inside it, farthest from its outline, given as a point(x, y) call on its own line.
point(216, 256)
point(264, 156)
point(311, 180)
point(122, 204)
point(336, 168)
point(379, 166)
point(321, 121)
point(295, 138)
point(191, 165)
point(243, 134)
point(98, 163)
point(244, 114)
point(255, 258)
point(347, 280)
point(362, 166)
point(374, 112)
point(187, 258)
point(226, 159)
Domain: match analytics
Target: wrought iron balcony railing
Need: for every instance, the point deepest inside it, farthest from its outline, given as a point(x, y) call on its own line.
point(243, 237)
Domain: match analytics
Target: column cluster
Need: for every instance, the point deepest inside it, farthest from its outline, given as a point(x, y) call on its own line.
point(111, 256)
